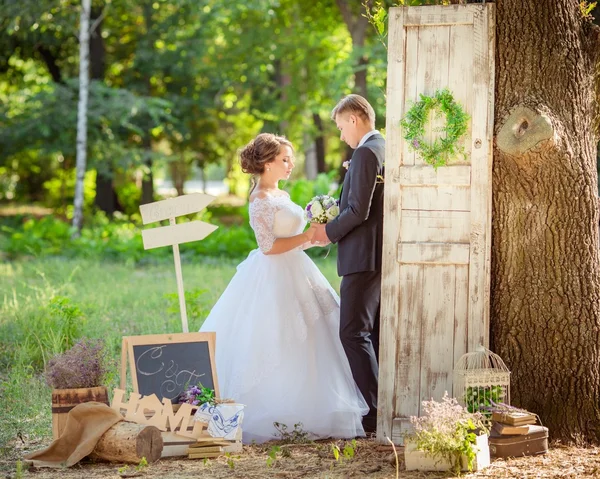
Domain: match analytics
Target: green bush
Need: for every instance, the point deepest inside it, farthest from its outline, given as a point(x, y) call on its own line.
point(121, 239)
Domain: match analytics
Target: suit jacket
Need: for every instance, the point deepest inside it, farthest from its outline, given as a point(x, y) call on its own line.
point(358, 229)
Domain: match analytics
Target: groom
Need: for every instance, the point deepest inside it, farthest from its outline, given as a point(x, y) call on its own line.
point(358, 231)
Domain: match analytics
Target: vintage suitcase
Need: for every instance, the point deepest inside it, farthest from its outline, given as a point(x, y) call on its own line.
point(536, 442)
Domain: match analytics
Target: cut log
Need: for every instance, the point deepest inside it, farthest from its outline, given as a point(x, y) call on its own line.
point(129, 442)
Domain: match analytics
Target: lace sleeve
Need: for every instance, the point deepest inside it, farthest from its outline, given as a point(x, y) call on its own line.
point(262, 214)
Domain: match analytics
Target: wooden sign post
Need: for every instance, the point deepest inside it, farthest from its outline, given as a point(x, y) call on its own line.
point(175, 234)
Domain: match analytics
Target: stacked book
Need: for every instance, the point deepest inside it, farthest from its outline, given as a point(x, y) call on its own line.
point(513, 423)
point(515, 433)
point(207, 448)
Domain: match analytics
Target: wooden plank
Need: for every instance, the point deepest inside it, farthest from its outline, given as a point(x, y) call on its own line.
point(439, 198)
point(123, 381)
point(461, 313)
point(437, 331)
point(433, 253)
point(410, 92)
point(436, 226)
point(460, 79)
point(176, 234)
point(175, 207)
point(431, 15)
point(180, 290)
point(445, 175)
point(390, 285)
point(400, 427)
point(408, 379)
point(481, 169)
point(433, 74)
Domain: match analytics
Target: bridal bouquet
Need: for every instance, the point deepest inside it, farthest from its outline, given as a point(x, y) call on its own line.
point(322, 209)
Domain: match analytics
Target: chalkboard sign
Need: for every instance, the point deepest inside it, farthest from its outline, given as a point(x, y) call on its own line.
point(165, 364)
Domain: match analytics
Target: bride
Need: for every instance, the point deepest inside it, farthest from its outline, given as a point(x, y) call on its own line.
point(277, 323)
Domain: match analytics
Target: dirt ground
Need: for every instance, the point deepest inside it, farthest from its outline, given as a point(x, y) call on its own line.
point(317, 461)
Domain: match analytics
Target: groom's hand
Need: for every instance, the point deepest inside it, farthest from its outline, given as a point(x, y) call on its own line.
point(320, 236)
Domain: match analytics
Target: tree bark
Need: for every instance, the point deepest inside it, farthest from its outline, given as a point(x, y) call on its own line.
point(320, 143)
point(148, 177)
point(129, 442)
point(545, 305)
point(357, 24)
point(106, 197)
point(180, 171)
point(82, 111)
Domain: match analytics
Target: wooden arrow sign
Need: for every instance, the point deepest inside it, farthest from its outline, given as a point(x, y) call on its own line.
point(175, 234)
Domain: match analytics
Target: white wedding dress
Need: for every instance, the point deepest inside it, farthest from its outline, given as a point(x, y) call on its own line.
point(278, 349)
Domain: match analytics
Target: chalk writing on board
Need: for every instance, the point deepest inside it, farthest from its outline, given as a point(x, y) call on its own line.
point(175, 379)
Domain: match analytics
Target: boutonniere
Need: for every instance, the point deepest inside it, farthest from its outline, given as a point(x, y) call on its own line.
point(346, 164)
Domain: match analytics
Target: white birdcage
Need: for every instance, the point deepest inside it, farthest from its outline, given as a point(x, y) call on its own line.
point(481, 380)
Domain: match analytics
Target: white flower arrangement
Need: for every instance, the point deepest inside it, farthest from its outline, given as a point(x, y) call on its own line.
point(322, 209)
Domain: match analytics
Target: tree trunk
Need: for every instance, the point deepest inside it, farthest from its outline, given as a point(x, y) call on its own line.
point(204, 178)
point(180, 171)
point(106, 197)
point(129, 442)
point(357, 23)
point(545, 311)
point(310, 157)
point(148, 178)
point(320, 144)
point(84, 77)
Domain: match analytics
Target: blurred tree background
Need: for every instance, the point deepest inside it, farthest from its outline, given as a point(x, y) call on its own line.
point(177, 87)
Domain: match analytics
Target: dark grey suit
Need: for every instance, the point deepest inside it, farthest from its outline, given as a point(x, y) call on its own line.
point(358, 230)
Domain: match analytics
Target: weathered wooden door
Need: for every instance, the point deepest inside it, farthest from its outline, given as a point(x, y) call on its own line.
point(435, 291)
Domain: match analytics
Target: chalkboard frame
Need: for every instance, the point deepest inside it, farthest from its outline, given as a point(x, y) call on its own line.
point(151, 339)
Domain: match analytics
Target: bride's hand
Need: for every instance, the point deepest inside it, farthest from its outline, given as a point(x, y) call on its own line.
point(310, 232)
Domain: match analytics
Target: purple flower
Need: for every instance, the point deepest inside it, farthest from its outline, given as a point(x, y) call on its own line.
point(308, 207)
point(310, 216)
point(415, 143)
point(195, 402)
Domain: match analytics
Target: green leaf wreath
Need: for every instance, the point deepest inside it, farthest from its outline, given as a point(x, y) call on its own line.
point(442, 150)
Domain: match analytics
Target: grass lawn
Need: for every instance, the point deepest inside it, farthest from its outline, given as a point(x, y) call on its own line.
point(47, 301)
point(44, 301)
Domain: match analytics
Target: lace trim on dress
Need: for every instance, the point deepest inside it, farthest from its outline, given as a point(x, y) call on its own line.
point(262, 215)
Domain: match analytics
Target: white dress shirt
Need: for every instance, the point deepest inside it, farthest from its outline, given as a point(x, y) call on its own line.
point(366, 137)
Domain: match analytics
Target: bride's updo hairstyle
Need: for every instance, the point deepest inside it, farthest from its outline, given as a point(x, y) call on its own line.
point(260, 151)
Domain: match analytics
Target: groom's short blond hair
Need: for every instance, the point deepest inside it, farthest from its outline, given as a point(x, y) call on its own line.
point(356, 105)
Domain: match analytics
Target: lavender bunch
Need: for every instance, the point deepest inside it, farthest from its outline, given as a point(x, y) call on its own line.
point(447, 430)
point(82, 366)
point(196, 395)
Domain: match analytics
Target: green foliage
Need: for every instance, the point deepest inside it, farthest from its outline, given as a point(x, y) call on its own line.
point(302, 191)
point(586, 8)
point(272, 455)
point(52, 328)
point(230, 461)
point(296, 436)
point(443, 149)
point(482, 399)
point(124, 470)
point(346, 453)
point(25, 411)
point(116, 298)
point(448, 431)
point(119, 240)
point(193, 304)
